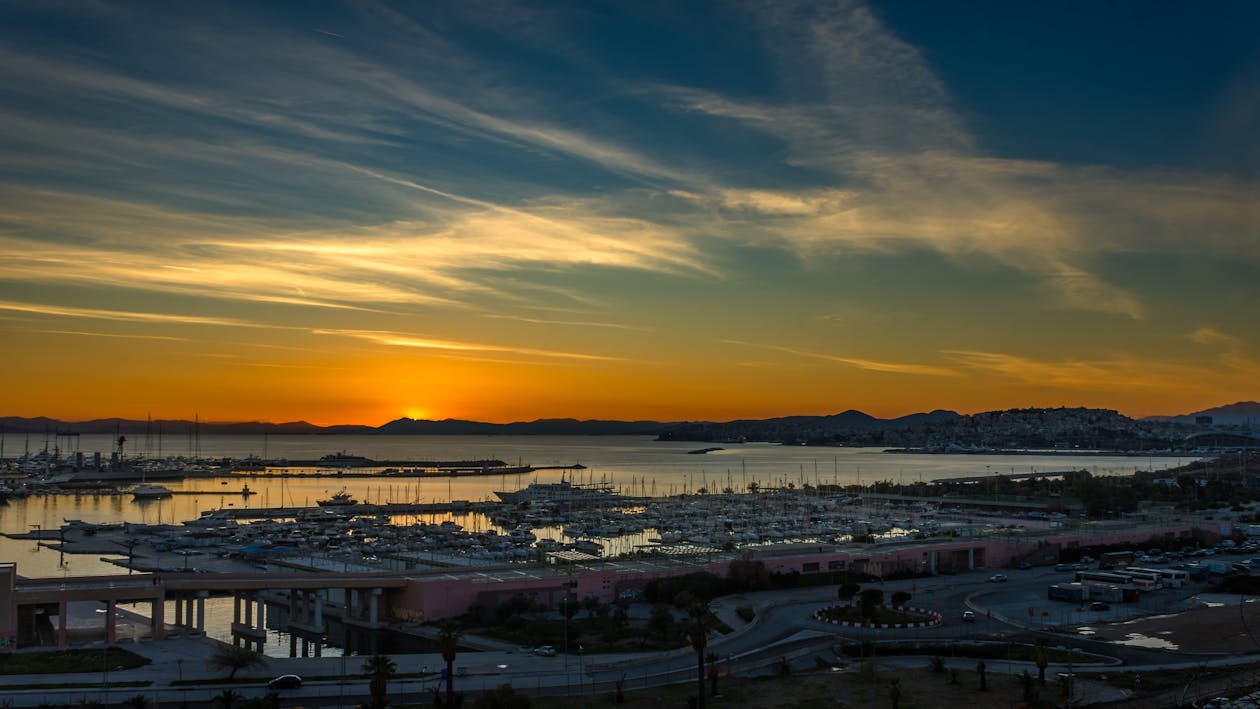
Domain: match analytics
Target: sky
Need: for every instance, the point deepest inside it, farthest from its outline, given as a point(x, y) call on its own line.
point(350, 212)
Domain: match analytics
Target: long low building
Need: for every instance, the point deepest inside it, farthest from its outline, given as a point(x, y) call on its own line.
point(372, 599)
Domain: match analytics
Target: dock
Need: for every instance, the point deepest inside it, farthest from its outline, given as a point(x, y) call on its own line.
point(388, 508)
point(1009, 476)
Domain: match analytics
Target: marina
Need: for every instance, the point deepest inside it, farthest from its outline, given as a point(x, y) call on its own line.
point(639, 498)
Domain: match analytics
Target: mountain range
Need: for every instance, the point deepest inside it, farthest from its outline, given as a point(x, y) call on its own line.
point(779, 428)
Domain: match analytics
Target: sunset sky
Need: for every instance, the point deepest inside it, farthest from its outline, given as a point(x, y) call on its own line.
point(352, 212)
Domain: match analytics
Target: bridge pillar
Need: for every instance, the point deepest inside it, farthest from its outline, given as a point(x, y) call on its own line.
point(351, 611)
point(319, 613)
point(157, 622)
point(249, 608)
point(201, 611)
point(111, 622)
point(971, 559)
point(262, 609)
point(374, 607)
point(62, 610)
point(179, 611)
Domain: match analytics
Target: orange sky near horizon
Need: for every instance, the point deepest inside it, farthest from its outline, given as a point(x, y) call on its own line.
point(501, 213)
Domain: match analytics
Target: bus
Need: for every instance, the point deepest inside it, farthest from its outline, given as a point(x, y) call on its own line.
point(1145, 579)
point(1105, 577)
point(1114, 559)
point(1174, 578)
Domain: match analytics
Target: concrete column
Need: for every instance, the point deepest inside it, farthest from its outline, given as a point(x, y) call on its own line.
point(971, 559)
point(249, 609)
point(292, 645)
point(262, 609)
point(351, 612)
point(111, 623)
point(157, 626)
point(293, 606)
point(374, 608)
point(62, 610)
point(201, 611)
point(179, 610)
point(319, 613)
point(236, 607)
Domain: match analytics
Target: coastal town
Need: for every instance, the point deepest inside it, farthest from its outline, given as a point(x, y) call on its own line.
point(1052, 559)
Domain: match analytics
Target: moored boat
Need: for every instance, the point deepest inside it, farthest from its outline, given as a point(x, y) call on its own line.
point(147, 491)
point(341, 499)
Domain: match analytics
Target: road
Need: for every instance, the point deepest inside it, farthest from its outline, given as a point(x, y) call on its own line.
point(783, 629)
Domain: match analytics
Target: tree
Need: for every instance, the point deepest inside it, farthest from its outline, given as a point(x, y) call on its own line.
point(379, 668)
point(503, 697)
point(847, 591)
point(449, 634)
point(712, 659)
point(1042, 661)
point(138, 702)
point(233, 658)
point(698, 634)
point(227, 698)
point(1028, 686)
point(870, 599)
point(661, 619)
point(591, 604)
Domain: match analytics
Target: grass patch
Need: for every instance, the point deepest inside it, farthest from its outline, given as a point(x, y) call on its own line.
point(988, 651)
point(68, 661)
point(77, 685)
point(853, 614)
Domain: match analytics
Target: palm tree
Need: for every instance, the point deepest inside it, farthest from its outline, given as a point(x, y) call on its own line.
point(712, 659)
point(380, 668)
point(1042, 661)
point(233, 658)
point(698, 633)
point(227, 698)
point(449, 633)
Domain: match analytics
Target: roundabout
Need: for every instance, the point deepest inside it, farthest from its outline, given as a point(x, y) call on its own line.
point(881, 616)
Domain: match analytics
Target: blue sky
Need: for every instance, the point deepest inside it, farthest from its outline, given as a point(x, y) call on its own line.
point(350, 211)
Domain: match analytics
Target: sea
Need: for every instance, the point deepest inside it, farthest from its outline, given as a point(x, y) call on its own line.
point(633, 465)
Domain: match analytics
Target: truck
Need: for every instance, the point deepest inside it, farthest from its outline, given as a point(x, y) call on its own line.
point(1070, 592)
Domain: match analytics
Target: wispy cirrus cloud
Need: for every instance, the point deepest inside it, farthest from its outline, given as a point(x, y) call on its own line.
point(1124, 373)
point(869, 365)
point(395, 339)
point(123, 315)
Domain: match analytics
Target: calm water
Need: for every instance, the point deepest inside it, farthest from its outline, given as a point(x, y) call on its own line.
point(636, 465)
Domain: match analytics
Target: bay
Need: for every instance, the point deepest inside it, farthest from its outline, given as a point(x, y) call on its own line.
point(636, 465)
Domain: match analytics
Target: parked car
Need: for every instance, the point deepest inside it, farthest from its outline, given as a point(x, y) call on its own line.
point(545, 651)
point(1099, 606)
point(1024, 566)
point(997, 578)
point(285, 682)
point(1065, 567)
point(969, 616)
